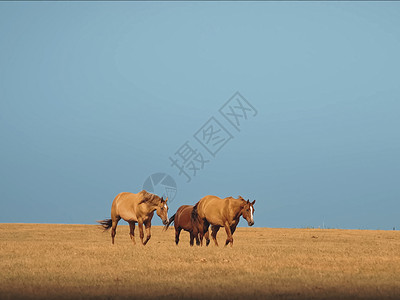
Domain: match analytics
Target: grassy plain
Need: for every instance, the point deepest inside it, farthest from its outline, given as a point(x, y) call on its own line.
point(41, 261)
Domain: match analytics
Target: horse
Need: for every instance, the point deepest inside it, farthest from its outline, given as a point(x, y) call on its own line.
point(217, 212)
point(182, 220)
point(134, 208)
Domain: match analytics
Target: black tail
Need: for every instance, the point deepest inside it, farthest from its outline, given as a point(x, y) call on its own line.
point(106, 224)
point(171, 220)
point(195, 216)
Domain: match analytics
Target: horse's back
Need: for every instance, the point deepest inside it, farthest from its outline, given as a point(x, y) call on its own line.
point(184, 208)
point(125, 197)
point(211, 203)
point(212, 208)
point(124, 205)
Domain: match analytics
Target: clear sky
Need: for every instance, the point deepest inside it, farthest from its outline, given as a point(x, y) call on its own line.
point(97, 96)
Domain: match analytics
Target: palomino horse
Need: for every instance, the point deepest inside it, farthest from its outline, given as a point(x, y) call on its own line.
point(222, 213)
point(136, 208)
point(182, 220)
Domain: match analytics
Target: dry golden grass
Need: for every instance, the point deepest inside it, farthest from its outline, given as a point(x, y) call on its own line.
point(78, 261)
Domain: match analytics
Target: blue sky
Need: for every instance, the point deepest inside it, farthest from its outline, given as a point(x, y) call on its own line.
point(97, 96)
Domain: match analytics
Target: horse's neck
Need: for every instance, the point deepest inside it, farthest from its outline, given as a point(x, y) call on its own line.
point(238, 209)
point(148, 208)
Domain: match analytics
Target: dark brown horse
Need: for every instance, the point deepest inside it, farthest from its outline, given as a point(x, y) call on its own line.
point(182, 220)
point(218, 213)
point(136, 208)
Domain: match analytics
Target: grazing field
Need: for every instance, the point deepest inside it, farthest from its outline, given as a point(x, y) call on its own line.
point(78, 261)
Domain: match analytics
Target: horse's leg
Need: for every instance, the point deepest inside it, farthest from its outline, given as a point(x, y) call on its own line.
point(196, 235)
point(207, 237)
point(229, 235)
point(191, 238)
point(203, 228)
point(115, 220)
point(132, 231)
point(147, 224)
point(198, 230)
point(177, 233)
point(141, 233)
point(233, 228)
point(214, 231)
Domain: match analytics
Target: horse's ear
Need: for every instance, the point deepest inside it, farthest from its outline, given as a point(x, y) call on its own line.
point(248, 201)
point(252, 203)
point(166, 199)
point(162, 198)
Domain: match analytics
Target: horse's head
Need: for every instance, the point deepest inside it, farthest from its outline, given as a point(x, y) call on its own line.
point(248, 212)
point(162, 210)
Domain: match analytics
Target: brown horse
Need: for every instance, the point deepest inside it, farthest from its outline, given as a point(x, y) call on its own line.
point(222, 213)
point(182, 220)
point(136, 208)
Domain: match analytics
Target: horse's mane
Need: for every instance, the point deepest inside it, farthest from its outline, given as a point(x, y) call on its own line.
point(239, 198)
point(149, 198)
